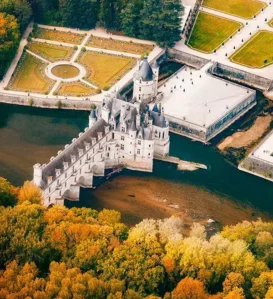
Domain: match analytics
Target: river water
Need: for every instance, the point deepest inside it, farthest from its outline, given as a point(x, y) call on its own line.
point(30, 135)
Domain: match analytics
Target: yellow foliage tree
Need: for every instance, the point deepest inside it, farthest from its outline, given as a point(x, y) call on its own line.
point(30, 192)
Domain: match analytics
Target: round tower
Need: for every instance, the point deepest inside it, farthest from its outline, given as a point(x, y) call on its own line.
point(145, 82)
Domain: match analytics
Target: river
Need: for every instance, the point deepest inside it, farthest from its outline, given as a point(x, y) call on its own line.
point(30, 135)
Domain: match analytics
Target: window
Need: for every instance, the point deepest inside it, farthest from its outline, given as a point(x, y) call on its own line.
point(149, 145)
point(113, 135)
point(123, 129)
point(139, 142)
point(138, 151)
point(139, 88)
point(122, 147)
point(122, 138)
point(107, 155)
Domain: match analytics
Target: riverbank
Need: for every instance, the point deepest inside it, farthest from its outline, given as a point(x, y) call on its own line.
point(138, 198)
point(240, 138)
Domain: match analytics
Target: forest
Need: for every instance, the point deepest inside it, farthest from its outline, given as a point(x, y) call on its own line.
point(82, 253)
point(157, 20)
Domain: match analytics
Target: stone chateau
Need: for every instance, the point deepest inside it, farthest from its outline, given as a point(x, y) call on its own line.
point(120, 134)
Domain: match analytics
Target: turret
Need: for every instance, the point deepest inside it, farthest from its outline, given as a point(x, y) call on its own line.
point(38, 174)
point(92, 118)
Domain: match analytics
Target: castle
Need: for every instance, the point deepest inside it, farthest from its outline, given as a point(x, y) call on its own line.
point(120, 134)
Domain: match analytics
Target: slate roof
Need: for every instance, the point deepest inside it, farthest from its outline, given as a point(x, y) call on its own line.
point(145, 72)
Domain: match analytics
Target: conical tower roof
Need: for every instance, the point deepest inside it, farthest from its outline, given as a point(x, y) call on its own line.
point(145, 72)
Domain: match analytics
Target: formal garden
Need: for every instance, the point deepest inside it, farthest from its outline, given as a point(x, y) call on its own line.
point(79, 69)
point(29, 76)
point(246, 9)
point(257, 52)
point(211, 31)
point(51, 52)
point(60, 36)
point(117, 45)
point(75, 88)
point(104, 69)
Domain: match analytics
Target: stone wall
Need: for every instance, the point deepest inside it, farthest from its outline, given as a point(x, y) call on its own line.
point(46, 103)
point(240, 76)
point(191, 21)
point(188, 59)
point(257, 167)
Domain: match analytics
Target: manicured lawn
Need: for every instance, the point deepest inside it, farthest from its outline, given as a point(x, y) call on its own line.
point(116, 45)
point(211, 31)
point(75, 89)
point(65, 71)
point(241, 8)
point(256, 53)
point(104, 69)
point(29, 77)
point(51, 52)
point(71, 38)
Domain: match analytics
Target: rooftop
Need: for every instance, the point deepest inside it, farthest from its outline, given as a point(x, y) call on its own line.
point(199, 98)
point(264, 151)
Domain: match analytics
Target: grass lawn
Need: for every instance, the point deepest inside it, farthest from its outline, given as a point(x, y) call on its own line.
point(65, 71)
point(256, 53)
point(116, 45)
point(51, 52)
point(242, 8)
point(105, 69)
point(75, 89)
point(66, 37)
point(211, 31)
point(29, 77)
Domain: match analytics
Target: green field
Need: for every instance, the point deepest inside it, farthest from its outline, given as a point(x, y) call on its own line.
point(211, 31)
point(241, 8)
point(29, 77)
point(256, 53)
point(51, 52)
point(75, 89)
point(105, 69)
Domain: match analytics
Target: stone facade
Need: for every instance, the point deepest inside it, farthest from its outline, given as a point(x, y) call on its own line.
point(146, 81)
point(120, 134)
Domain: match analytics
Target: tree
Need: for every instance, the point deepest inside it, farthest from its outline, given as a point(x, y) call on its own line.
point(170, 23)
point(9, 40)
point(130, 18)
point(30, 192)
point(189, 288)
point(8, 193)
point(79, 13)
point(21, 9)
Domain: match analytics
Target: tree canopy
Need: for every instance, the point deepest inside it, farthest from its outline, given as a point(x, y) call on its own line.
point(82, 253)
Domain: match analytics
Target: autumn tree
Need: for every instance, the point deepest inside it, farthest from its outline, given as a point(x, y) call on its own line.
point(9, 40)
point(30, 192)
point(189, 288)
point(8, 193)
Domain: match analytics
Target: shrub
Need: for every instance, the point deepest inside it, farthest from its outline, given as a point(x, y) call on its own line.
point(31, 102)
point(59, 104)
point(83, 49)
point(106, 88)
point(75, 48)
point(98, 90)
